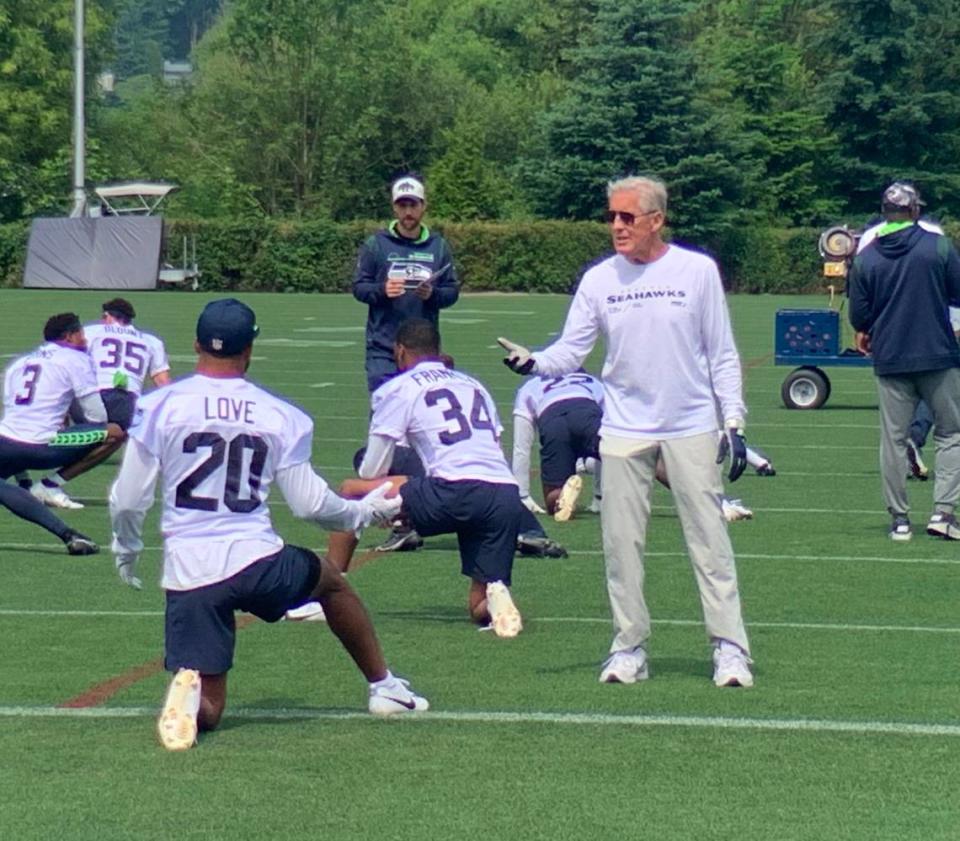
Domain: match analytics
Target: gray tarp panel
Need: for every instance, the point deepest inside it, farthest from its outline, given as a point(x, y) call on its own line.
point(110, 252)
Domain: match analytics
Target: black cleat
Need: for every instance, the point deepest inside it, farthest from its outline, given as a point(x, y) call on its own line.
point(539, 546)
point(78, 544)
point(766, 470)
point(401, 540)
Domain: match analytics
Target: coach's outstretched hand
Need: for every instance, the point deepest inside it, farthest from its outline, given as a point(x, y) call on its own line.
point(382, 509)
point(734, 444)
point(518, 358)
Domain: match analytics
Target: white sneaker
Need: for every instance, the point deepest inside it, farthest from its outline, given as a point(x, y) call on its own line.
point(309, 612)
point(53, 497)
point(177, 725)
point(731, 666)
point(594, 506)
point(504, 616)
point(626, 666)
point(734, 509)
point(567, 501)
point(392, 696)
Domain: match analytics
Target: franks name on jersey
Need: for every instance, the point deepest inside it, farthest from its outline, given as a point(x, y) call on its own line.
point(448, 417)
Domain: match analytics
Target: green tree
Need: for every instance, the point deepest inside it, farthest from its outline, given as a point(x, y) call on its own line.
point(635, 107)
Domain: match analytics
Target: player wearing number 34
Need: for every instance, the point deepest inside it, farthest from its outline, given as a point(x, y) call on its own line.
point(217, 443)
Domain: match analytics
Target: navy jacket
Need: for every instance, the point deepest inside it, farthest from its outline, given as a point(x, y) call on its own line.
point(386, 250)
point(901, 286)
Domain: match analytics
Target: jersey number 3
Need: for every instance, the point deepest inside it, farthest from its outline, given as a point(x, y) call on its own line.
point(234, 455)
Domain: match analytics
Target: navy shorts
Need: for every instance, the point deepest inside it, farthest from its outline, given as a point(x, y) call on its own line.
point(120, 405)
point(484, 516)
point(405, 462)
point(569, 430)
point(17, 456)
point(200, 628)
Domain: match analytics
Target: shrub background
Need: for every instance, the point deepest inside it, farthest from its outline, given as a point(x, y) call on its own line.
point(286, 256)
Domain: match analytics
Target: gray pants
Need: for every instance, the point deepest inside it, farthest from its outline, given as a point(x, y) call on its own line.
point(898, 397)
point(628, 478)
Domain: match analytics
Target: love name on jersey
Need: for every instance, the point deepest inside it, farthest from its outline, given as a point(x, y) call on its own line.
point(228, 409)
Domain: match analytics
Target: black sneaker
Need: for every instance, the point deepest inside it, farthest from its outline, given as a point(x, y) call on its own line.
point(539, 546)
point(900, 530)
point(401, 540)
point(766, 470)
point(943, 525)
point(78, 544)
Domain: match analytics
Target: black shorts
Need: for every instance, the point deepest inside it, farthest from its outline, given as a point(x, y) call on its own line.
point(569, 430)
point(484, 516)
point(17, 456)
point(200, 628)
point(405, 462)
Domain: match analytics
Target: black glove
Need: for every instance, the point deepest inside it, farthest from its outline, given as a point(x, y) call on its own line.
point(733, 444)
point(518, 358)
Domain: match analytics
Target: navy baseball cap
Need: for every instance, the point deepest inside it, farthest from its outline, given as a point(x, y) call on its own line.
point(226, 327)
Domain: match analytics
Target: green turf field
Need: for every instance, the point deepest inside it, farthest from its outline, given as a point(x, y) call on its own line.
point(851, 732)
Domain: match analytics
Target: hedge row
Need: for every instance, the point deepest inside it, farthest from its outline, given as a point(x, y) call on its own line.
point(273, 256)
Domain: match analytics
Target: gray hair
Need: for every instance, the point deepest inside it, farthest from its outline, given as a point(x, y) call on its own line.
point(652, 191)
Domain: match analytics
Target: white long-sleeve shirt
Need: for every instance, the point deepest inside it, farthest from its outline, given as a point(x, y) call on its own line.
point(671, 361)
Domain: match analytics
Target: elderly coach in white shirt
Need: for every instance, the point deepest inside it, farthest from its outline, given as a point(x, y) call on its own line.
point(670, 365)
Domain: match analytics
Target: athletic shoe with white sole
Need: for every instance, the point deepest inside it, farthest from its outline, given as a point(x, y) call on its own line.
point(54, 497)
point(177, 725)
point(309, 612)
point(567, 501)
point(731, 666)
point(595, 505)
point(943, 525)
point(918, 470)
point(734, 510)
point(900, 530)
point(504, 616)
point(78, 544)
point(626, 666)
point(392, 696)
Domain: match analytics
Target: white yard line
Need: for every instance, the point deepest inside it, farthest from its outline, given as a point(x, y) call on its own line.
point(802, 725)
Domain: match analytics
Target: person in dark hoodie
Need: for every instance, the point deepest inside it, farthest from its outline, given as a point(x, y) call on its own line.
point(901, 287)
point(403, 271)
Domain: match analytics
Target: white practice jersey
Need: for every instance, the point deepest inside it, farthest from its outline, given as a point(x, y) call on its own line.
point(38, 389)
point(539, 393)
point(123, 356)
point(219, 443)
point(448, 417)
point(670, 355)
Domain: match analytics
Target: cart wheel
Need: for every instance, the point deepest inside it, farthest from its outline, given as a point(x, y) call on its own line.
point(805, 388)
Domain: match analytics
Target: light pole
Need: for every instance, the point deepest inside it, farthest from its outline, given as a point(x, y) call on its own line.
point(79, 148)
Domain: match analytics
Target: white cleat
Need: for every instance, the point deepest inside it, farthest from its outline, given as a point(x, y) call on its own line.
point(595, 505)
point(504, 616)
point(731, 666)
point(734, 510)
point(177, 725)
point(567, 501)
point(392, 696)
point(626, 666)
point(54, 497)
point(309, 612)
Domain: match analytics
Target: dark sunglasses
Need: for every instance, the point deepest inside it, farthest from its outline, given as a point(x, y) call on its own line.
point(627, 218)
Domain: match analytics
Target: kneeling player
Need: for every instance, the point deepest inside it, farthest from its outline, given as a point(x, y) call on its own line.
point(451, 422)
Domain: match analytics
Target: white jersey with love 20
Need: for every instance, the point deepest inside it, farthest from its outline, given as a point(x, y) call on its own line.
point(123, 355)
point(38, 389)
point(539, 393)
point(448, 417)
point(219, 442)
